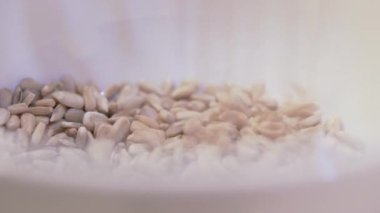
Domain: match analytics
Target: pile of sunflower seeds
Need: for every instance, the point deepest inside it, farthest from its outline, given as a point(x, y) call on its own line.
point(141, 117)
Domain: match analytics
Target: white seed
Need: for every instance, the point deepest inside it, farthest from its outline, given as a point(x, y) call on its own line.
point(58, 113)
point(46, 102)
point(271, 129)
point(38, 134)
point(112, 91)
point(334, 125)
point(89, 98)
point(148, 121)
point(135, 125)
point(269, 103)
point(16, 96)
point(5, 98)
point(67, 124)
point(74, 115)
point(130, 102)
point(42, 111)
point(72, 132)
point(310, 121)
point(81, 137)
point(203, 97)
point(183, 115)
point(301, 110)
point(29, 83)
point(184, 91)
point(148, 88)
point(196, 106)
point(13, 122)
point(28, 122)
point(102, 103)
point(19, 108)
point(42, 119)
point(234, 117)
point(28, 97)
point(48, 88)
point(152, 137)
point(175, 129)
point(69, 99)
point(4, 116)
point(120, 129)
point(90, 119)
point(154, 101)
point(166, 116)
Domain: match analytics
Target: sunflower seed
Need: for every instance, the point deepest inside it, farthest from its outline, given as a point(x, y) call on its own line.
point(4, 116)
point(47, 102)
point(89, 98)
point(152, 137)
point(135, 125)
point(74, 115)
point(42, 119)
point(19, 108)
point(13, 122)
point(148, 121)
point(120, 129)
point(174, 129)
point(90, 119)
point(42, 111)
point(149, 88)
point(67, 124)
point(166, 116)
point(71, 132)
point(5, 98)
point(333, 125)
point(234, 117)
point(16, 96)
point(183, 115)
point(184, 91)
point(271, 129)
point(69, 99)
point(310, 121)
point(81, 137)
point(48, 88)
point(29, 83)
point(112, 91)
point(28, 122)
point(102, 103)
point(58, 113)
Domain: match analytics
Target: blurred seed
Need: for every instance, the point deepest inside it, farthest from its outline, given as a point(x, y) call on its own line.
point(68, 84)
point(29, 83)
point(269, 103)
point(120, 129)
point(148, 121)
point(102, 103)
point(28, 122)
point(174, 129)
point(154, 101)
point(47, 102)
point(310, 121)
point(74, 115)
point(40, 110)
point(112, 91)
point(164, 126)
point(272, 129)
point(5, 98)
point(334, 125)
point(89, 98)
point(4, 116)
point(151, 137)
point(184, 91)
point(103, 131)
point(81, 137)
point(203, 97)
point(69, 99)
point(135, 125)
point(72, 132)
point(48, 88)
point(19, 108)
point(90, 119)
point(16, 96)
point(13, 122)
point(301, 110)
point(234, 117)
point(257, 91)
point(67, 124)
point(58, 113)
point(54, 128)
point(166, 116)
point(28, 97)
point(112, 108)
point(167, 87)
point(148, 88)
point(183, 115)
point(42, 119)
